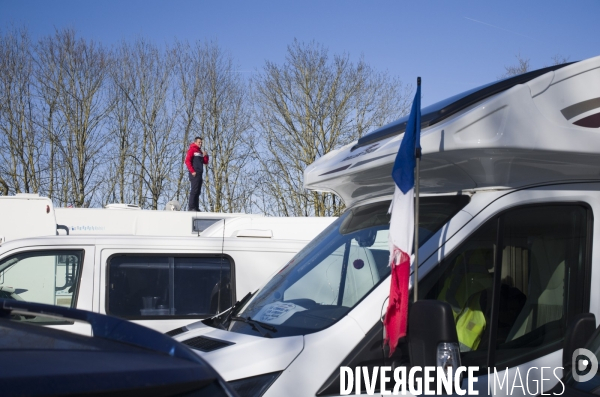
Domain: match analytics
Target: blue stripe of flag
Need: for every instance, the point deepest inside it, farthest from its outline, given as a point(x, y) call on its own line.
point(403, 172)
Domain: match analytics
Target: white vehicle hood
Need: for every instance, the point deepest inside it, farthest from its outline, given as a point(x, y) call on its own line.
point(244, 355)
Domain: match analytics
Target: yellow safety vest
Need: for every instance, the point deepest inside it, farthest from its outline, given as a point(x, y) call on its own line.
point(463, 292)
point(470, 324)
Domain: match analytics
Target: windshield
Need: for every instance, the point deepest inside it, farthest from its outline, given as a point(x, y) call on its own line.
point(333, 273)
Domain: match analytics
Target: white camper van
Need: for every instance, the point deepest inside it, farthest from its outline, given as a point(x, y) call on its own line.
point(508, 238)
point(27, 215)
point(159, 281)
point(30, 215)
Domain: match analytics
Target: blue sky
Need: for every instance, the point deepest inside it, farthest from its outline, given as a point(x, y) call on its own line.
point(453, 45)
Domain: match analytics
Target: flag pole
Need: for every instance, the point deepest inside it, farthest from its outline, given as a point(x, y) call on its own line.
point(416, 242)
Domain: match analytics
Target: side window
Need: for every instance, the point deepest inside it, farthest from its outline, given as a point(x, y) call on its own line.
point(144, 286)
point(50, 277)
point(201, 286)
point(539, 247)
point(200, 225)
point(465, 280)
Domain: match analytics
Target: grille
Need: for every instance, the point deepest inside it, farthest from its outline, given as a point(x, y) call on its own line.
point(205, 344)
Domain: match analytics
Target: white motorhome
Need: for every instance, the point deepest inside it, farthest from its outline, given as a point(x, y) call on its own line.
point(510, 177)
point(160, 281)
point(30, 215)
point(124, 221)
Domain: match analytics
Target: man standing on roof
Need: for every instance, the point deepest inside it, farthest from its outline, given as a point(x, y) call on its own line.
point(195, 160)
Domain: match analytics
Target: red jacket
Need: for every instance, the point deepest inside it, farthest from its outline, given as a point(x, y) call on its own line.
point(192, 159)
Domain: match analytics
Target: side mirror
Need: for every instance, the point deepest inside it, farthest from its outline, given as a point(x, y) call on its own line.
point(579, 331)
point(432, 338)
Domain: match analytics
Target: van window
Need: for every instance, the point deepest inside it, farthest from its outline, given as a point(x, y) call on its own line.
point(539, 248)
point(542, 249)
point(50, 277)
point(465, 280)
point(146, 286)
point(200, 225)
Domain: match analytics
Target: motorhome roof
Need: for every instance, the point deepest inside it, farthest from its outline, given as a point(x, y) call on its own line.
point(543, 130)
point(443, 109)
point(187, 224)
point(31, 215)
point(158, 242)
point(140, 222)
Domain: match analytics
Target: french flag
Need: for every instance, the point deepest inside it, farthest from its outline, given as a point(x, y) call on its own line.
point(402, 225)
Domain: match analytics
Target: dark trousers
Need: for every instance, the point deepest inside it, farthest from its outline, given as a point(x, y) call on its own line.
point(196, 187)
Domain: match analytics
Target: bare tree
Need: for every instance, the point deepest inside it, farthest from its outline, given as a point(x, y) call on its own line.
point(224, 123)
point(522, 66)
point(307, 107)
point(190, 80)
point(215, 107)
point(79, 69)
point(21, 144)
point(87, 126)
point(47, 73)
point(121, 130)
point(559, 59)
point(147, 86)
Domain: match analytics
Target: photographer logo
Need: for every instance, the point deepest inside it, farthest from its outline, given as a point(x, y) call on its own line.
point(583, 361)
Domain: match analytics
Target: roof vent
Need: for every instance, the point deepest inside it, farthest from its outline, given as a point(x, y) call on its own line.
point(122, 207)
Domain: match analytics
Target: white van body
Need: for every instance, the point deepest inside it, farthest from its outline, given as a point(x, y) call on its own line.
point(159, 281)
point(516, 165)
point(30, 215)
point(26, 215)
point(104, 221)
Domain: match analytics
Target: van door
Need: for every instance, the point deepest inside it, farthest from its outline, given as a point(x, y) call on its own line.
point(61, 276)
point(514, 279)
point(513, 286)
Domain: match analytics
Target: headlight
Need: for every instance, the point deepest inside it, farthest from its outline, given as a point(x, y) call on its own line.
point(254, 386)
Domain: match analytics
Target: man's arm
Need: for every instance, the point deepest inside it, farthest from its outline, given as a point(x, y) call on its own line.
point(205, 159)
point(188, 160)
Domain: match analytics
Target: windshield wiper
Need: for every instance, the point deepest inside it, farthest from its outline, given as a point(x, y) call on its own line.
point(221, 320)
point(258, 326)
